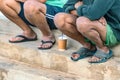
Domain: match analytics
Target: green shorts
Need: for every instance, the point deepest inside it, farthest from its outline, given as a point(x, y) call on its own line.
point(110, 38)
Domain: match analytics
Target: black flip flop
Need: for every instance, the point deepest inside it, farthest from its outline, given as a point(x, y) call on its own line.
point(25, 39)
point(44, 42)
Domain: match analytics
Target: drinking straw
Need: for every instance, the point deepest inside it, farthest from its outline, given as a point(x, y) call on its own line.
point(62, 35)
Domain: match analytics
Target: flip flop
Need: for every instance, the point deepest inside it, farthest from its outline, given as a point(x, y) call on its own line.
point(102, 56)
point(25, 39)
point(83, 52)
point(44, 42)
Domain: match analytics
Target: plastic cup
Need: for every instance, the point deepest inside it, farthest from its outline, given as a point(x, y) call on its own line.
point(62, 43)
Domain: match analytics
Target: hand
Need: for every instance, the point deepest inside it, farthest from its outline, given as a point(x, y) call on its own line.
point(102, 20)
point(21, 0)
point(42, 1)
point(78, 4)
point(74, 12)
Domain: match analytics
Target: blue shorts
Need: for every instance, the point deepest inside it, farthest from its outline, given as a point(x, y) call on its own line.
point(50, 13)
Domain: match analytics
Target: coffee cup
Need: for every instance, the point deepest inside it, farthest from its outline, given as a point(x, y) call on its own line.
point(62, 43)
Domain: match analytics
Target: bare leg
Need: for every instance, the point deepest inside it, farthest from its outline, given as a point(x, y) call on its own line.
point(35, 13)
point(67, 24)
point(95, 31)
point(11, 8)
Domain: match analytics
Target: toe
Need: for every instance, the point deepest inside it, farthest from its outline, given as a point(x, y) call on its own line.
point(16, 39)
point(75, 56)
point(94, 59)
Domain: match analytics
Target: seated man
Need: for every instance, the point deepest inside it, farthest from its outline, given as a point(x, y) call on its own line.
point(96, 27)
point(38, 13)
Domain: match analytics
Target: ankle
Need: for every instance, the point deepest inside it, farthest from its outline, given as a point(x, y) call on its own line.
point(51, 35)
point(104, 49)
point(29, 33)
point(90, 46)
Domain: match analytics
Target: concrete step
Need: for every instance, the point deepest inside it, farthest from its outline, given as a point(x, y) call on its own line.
point(54, 59)
point(12, 70)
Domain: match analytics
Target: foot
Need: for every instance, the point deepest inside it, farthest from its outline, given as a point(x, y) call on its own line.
point(47, 42)
point(100, 56)
point(82, 53)
point(25, 35)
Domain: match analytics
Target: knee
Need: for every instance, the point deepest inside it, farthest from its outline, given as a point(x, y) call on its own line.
point(82, 24)
point(9, 5)
point(30, 8)
point(63, 20)
point(4, 3)
point(59, 20)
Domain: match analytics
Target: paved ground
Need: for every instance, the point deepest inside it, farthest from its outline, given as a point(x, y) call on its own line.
point(54, 59)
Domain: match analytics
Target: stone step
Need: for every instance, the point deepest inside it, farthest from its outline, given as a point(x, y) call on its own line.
point(12, 70)
point(54, 59)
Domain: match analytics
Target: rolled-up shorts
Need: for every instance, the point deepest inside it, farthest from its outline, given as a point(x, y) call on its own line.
point(110, 38)
point(50, 13)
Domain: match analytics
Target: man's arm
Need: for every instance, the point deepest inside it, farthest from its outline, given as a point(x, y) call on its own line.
point(78, 4)
point(74, 12)
point(21, 0)
point(42, 1)
point(69, 6)
point(96, 10)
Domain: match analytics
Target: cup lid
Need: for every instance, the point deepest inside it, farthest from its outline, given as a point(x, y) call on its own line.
point(62, 37)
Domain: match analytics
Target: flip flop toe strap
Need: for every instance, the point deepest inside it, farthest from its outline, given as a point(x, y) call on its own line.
point(102, 56)
point(22, 37)
point(25, 38)
point(83, 52)
point(43, 42)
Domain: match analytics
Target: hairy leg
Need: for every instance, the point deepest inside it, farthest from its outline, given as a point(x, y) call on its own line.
point(35, 13)
point(95, 31)
point(67, 24)
point(11, 9)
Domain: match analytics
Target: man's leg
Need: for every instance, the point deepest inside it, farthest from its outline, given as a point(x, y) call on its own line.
point(94, 31)
point(67, 24)
point(36, 14)
point(11, 9)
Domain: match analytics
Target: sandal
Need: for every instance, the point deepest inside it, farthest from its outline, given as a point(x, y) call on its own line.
point(83, 52)
point(44, 42)
point(25, 39)
point(103, 57)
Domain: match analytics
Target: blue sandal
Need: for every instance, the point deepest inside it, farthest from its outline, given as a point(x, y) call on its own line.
point(83, 52)
point(102, 56)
